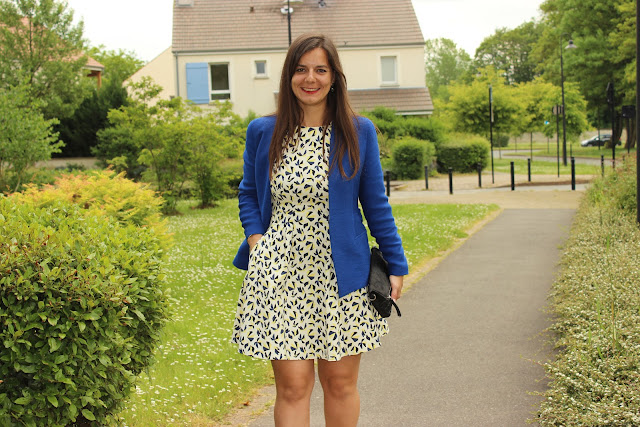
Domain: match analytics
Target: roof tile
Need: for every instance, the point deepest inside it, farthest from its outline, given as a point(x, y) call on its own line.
point(224, 25)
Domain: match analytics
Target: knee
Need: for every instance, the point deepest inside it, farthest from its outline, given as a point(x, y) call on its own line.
point(339, 387)
point(294, 391)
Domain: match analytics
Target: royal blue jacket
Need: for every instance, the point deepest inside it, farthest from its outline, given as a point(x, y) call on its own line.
point(347, 234)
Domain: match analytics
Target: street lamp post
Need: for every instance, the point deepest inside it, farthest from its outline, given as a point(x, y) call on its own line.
point(564, 117)
point(493, 179)
point(289, 20)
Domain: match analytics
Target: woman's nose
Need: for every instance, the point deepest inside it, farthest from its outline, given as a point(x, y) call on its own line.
point(310, 76)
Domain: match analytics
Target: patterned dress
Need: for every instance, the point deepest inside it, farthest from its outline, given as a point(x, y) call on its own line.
point(288, 307)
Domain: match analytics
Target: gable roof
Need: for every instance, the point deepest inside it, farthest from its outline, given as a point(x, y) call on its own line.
point(406, 101)
point(241, 25)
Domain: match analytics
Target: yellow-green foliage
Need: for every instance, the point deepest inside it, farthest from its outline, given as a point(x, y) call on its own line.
point(102, 193)
point(82, 298)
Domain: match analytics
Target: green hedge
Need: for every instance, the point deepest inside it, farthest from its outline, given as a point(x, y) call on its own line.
point(595, 379)
point(410, 155)
point(393, 126)
point(82, 303)
point(463, 153)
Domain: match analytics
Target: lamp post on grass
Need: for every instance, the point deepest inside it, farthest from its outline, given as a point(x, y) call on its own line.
point(493, 180)
point(571, 45)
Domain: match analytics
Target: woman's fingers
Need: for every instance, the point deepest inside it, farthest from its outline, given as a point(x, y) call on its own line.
point(396, 286)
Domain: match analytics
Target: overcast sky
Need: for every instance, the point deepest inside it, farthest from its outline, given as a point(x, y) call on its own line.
point(144, 26)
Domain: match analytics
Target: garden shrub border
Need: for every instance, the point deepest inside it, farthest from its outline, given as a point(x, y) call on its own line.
point(82, 299)
point(595, 378)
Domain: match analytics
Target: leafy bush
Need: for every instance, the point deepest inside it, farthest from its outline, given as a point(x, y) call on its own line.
point(595, 379)
point(102, 193)
point(618, 190)
point(425, 129)
point(409, 157)
point(393, 126)
point(25, 137)
point(81, 308)
point(462, 153)
point(176, 141)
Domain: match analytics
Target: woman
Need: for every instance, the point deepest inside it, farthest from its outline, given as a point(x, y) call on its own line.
point(307, 254)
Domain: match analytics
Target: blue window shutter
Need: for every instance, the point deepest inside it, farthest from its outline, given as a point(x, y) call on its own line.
point(198, 82)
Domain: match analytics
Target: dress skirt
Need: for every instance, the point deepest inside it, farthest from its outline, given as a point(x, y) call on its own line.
point(289, 307)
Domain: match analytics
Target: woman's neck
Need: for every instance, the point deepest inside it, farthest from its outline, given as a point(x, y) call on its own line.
point(314, 117)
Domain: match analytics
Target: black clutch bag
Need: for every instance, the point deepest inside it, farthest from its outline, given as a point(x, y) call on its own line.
point(379, 288)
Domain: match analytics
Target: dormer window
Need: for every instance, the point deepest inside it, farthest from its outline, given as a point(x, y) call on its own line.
point(388, 70)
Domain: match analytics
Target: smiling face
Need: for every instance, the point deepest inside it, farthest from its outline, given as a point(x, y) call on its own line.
point(311, 81)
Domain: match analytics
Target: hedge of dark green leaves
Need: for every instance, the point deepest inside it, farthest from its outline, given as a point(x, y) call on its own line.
point(410, 155)
point(595, 379)
point(81, 307)
point(393, 126)
point(463, 153)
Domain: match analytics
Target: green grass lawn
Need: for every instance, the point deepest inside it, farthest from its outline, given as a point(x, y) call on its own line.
point(199, 375)
point(542, 149)
point(540, 167)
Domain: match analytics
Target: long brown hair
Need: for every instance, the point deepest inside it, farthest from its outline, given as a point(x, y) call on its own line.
point(289, 114)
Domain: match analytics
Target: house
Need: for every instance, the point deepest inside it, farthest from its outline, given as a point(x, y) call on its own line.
point(93, 68)
point(235, 50)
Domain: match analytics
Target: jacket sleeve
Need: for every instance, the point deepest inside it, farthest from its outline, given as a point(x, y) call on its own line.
point(248, 191)
point(375, 204)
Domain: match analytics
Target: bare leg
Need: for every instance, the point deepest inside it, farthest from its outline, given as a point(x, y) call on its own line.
point(294, 383)
point(340, 385)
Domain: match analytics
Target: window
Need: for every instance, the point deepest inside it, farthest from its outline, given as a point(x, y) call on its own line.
point(220, 88)
point(260, 69)
point(388, 70)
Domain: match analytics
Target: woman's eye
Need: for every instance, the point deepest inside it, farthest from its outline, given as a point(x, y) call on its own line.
point(299, 70)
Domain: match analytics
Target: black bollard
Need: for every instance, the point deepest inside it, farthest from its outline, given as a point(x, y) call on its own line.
point(602, 163)
point(426, 177)
point(387, 176)
point(613, 154)
point(573, 173)
point(450, 180)
point(513, 177)
point(529, 169)
point(479, 167)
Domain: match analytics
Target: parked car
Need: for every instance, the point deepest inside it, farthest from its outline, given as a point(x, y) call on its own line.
point(598, 141)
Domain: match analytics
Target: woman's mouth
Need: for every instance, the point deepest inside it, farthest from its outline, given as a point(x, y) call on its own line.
point(310, 91)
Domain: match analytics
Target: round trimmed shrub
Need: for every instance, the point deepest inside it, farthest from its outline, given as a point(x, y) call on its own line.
point(409, 157)
point(81, 309)
point(463, 154)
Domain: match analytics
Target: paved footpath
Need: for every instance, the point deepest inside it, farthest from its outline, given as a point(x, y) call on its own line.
point(464, 352)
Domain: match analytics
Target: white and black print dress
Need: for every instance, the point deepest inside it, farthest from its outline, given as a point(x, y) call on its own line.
point(289, 307)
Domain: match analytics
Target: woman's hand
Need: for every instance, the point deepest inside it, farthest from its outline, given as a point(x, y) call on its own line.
point(253, 240)
point(396, 286)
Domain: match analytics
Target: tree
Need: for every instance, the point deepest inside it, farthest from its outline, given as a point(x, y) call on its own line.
point(510, 50)
point(41, 45)
point(445, 63)
point(118, 65)
point(540, 97)
point(468, 106)
point(26, 137)
point(80, 130)
point(595, 28)
point(176, 141)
